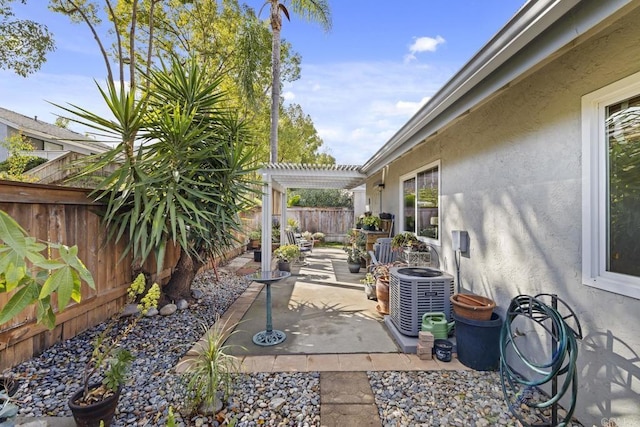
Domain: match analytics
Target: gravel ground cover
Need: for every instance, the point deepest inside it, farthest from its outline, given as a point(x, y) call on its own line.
point(446, 398)
point(456, 398)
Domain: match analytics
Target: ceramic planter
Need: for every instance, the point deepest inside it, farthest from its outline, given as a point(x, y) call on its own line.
point(382, 293)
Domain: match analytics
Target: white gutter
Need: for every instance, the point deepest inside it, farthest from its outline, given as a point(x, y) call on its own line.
point(530, 22)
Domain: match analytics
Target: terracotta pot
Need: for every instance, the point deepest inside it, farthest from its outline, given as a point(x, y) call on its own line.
point(474, 307)
point(382, 293)
point(91, 415)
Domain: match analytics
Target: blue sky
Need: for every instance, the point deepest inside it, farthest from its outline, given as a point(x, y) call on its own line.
point(360, 82)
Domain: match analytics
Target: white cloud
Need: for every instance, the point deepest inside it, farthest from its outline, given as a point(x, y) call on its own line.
point(289, 96)
point(423, 44)
point(362, 105)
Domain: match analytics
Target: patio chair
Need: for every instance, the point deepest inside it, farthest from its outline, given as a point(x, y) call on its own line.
point(382, 252)
point(306, 247)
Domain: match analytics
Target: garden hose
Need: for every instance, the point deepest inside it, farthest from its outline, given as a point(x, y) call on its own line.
point(563, 358)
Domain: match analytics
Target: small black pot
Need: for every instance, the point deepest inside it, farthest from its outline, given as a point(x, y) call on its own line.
point(284, 266)
point(257, 255)
point(10, 385)
point(91, 415)
point(354, 268)
point(443, 350)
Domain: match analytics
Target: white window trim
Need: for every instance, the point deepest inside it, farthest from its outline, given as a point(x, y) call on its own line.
point(414, 174)
point(594, 188)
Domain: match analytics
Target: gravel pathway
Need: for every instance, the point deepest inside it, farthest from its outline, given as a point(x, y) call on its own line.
point(456, 398)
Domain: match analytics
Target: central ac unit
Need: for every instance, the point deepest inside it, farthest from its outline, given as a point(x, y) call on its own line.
point(414, 291)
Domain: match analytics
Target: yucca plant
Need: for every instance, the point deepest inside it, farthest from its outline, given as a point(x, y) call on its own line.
point(209, 369)
point(188, 176)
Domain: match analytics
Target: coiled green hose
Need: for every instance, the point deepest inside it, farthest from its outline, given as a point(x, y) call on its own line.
point(563, 358)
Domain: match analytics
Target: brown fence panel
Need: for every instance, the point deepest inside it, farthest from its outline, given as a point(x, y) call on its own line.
point(68, 216)
point(333, 222)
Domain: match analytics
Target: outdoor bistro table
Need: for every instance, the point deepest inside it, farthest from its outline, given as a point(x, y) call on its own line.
point(269, 336)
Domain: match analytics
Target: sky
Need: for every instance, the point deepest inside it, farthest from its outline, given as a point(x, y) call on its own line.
point(360, 82)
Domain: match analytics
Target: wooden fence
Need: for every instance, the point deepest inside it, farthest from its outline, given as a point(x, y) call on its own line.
point(66, 215)
point(333, 222)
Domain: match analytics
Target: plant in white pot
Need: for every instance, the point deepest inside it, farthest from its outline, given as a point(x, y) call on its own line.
point(369, 283)
point(106, 371)
point(286, 254)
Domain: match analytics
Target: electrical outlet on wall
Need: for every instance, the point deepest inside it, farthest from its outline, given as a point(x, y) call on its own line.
point(460, 240)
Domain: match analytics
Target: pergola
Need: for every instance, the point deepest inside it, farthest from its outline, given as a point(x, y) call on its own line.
point(277, 177)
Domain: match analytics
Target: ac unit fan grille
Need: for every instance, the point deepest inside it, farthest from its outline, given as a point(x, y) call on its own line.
point(411, 297)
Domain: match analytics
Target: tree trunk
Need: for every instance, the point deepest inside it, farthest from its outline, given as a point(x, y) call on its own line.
point(179, 286)
point(276, 25)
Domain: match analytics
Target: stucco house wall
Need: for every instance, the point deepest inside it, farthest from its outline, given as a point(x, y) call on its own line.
point(511, 175)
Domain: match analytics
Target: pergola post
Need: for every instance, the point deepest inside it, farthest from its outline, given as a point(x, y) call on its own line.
point(267, 215)
point(283, 217)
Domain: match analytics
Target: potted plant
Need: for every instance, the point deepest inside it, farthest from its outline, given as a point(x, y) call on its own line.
point(359, 222)
point(371, 222)
point(403, 240)
point(318, 238)
point(255, 238)
point(286, 254)
point(106, 371)
point(381, 274)
point(354, 256)
point(369, 283)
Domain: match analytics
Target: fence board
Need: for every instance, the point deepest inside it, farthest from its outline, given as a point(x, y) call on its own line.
point(68, 216)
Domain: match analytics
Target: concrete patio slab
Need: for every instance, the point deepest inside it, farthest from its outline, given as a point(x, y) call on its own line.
point(322, 310)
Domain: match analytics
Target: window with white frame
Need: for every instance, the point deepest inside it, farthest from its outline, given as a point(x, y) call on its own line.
point(420, 202)
point(611, 187)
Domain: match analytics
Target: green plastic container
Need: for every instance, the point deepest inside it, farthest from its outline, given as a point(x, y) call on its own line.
point(437, 324)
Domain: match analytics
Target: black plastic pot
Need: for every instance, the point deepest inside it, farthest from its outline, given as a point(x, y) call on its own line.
point(284, 266)
point(354, 268)
point(10, 385)
point(257, 255)
point(443, 350)
point(91, 415)
point(478, 342)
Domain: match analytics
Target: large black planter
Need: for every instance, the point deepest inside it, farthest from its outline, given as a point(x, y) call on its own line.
point(91, 415)
point(478, 342)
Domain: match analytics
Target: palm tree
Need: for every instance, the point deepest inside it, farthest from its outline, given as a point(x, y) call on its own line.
point(311, 10)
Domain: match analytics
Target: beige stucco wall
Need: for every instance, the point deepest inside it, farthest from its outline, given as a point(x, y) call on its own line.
point(511, 176)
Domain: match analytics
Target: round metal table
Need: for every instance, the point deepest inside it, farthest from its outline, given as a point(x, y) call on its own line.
point(269, 336)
